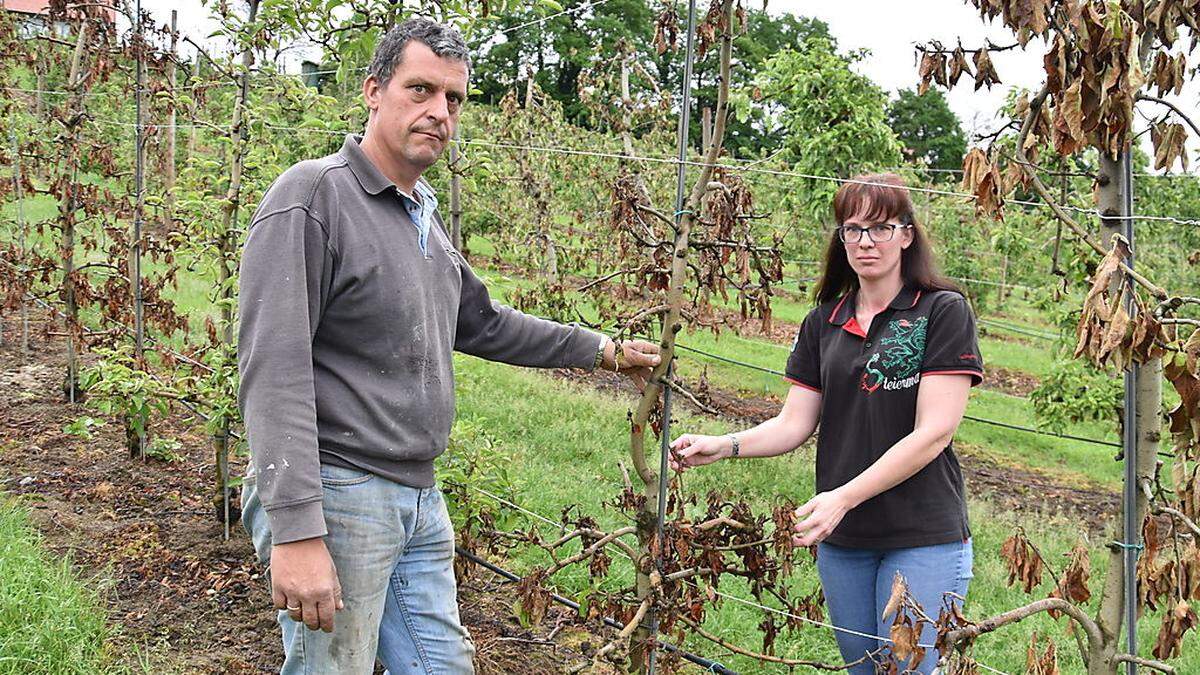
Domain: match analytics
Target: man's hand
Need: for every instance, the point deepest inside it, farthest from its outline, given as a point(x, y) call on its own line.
point(304, 582)
point(637, 359)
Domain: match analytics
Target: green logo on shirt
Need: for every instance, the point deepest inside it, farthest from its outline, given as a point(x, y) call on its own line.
point(900, 358)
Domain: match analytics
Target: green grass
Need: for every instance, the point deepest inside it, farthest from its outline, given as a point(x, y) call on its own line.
point(50, 621)
point(1066, 460)
point(565, 441)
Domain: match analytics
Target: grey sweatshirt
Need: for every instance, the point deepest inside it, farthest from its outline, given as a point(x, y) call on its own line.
point(347, 331)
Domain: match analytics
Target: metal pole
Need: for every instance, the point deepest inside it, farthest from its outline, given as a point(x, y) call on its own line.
point(135, 281)
point(19, 191)
point(685, 109)
point(1132, 528)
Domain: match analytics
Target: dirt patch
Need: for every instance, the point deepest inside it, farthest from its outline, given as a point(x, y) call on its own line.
point(1014, 382)
point(198, 603)
point(1018, 490)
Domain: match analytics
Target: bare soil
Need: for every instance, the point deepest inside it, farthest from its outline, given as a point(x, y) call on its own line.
point(176, 588)
point(199, 604)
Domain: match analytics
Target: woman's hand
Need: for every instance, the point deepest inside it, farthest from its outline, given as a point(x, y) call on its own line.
point(695, 450)
point(820, 517)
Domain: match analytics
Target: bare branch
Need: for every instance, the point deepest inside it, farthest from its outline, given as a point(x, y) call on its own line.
point(717, 522)
point(1089, 626)
point(678, 387)
point(606, 277)
point(590, 551)
point(1148, 663)
point(767, 657)
point(1178, 515)
point(1179, 113)
point(591, 533)
point(646, 208)
point(625, 632)
point(1035, 106)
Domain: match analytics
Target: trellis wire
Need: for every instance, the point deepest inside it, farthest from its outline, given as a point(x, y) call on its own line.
point(982, 420)
point(732, 167)
point(750, 603)
point(708, 664)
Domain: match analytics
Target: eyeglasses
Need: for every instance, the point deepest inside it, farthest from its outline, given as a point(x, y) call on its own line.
point(852, 234)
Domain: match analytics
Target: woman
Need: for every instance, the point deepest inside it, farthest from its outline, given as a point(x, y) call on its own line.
point(889, 490)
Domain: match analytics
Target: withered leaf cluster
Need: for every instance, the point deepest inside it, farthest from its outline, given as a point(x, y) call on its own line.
point(1041, 661)
point(1168, 581)
point(1023, 562)
point(1072, 586)
point(982, 178)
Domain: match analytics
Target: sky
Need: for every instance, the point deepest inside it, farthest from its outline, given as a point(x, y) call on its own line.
point(889, 29)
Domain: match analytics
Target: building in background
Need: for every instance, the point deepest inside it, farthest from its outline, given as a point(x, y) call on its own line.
point(33, 17)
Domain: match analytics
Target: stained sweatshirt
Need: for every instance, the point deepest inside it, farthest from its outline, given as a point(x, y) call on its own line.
point(347, 328)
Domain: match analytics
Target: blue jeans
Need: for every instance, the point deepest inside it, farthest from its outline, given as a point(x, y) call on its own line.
point(858, 583)
point(393, 546)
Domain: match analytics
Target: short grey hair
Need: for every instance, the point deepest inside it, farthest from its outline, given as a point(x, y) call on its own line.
point(443, 40)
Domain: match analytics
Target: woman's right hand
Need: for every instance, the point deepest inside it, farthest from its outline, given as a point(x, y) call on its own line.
point(696, 450)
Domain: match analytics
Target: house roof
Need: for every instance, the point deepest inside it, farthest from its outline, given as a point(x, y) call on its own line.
point(27, 6)
point(38, 7)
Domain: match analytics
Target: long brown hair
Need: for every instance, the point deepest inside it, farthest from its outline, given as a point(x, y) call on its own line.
point(887, 198)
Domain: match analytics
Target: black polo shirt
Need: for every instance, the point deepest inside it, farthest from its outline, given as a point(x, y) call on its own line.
point(868, 383)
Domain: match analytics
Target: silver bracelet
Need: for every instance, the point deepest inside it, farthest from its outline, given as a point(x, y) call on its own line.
point(737, 445)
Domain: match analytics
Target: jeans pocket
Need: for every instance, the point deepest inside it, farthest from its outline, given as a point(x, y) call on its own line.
point(966, 561)
point(341, 476)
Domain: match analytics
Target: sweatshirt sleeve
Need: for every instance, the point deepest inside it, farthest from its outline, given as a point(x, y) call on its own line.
point(285, 277)
point(495, 332)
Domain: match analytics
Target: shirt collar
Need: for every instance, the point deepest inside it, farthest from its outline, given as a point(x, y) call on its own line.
point(906, 299)
point(368, 175)
point(373, 181)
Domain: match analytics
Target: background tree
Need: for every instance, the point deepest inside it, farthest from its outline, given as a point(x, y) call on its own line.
point(833, 119)
point(928, 129)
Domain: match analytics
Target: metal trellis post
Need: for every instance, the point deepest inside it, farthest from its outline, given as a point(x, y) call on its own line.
point(1132, 528)
point(685, 108)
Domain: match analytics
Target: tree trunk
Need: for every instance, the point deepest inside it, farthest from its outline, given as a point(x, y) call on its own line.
point(172, 120)
point(228, 261)
point(641, 643)
point(455, 195)
point(1147, 418)
point(69, 165)
point(193, 130)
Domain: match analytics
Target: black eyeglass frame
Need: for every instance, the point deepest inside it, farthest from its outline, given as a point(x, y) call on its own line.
point(879, 228)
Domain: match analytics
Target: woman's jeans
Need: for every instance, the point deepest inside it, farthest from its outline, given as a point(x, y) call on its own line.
point(393, 546)
point(858, 583)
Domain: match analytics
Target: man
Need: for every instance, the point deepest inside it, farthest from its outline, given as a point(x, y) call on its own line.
point(352, 299)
